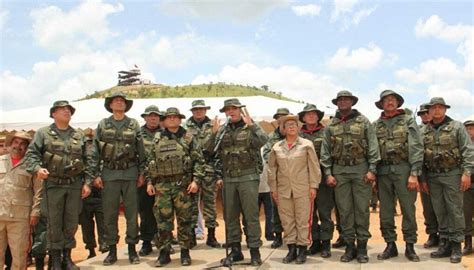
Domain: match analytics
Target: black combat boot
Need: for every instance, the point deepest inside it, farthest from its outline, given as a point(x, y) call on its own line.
point(291, 256)
point(103, 248)
point(67, 260)
point(185, 258)
point(433, 241)
point(164, 257)
point(112, 256)
point(39, 263)
point(315, 247)
point(350, 253)
point(456, 254)
point(444, 249)
point(467, 245)
point(389, 252)
point(410, 253)
point(362, 256)
point(91, 253)
point(278, 242)
point(55, 257)
point(255, 259)
point(326, 249)
point(146, 248)
point(301, 254)
point(235, 255)
point(339, 243)
point(211, 238)
point(132, 254)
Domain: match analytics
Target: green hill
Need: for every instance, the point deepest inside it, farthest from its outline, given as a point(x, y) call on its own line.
point(190, 91)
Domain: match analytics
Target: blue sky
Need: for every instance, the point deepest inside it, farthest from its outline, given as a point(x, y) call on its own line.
point(308, 50)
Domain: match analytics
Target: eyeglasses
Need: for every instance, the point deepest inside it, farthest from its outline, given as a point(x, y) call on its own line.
point(287, 125)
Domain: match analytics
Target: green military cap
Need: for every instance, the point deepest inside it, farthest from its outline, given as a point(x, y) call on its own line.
point(199, 103)
point(422, 109)
point(469, 123)
point(234, 102)
point(61, 103)
point(172, 111)
point(19, 134)
point(109, 99)
point(385, 93)
point(345, 93)
point(151, 109)
point(437, 100)
point(281, 112)
point(310, 108)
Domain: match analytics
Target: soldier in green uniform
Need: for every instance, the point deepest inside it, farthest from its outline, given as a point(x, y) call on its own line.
point(431, 224)
point(38, 247)
point(274, 137)
point(238, 144)
point(469, 200)
point(322, 228)
point(401, 152)
point(175, 171)
point(57, 155)
point(148, 227)
point(120, 162)
point(200, 127)
point(449, 161)
point(349, 156)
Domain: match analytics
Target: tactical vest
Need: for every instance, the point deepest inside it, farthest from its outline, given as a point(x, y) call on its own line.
point(393, 142)
point(63, 159)
point(317, 139)
point(147, 141)
point(117, 147)
point(172, 158)
point(348, 143)
point(201, 135)
point(441, 150)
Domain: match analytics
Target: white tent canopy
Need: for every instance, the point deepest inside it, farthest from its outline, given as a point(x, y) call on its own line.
point(90, 112)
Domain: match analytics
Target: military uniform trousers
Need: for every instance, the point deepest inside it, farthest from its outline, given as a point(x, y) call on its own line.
point(352, 199)
point(242, 197)
point(447, 200)
point(112, 194)
point(16, 235)
point(148, 227)
point(92, 207)
point(38, 248)
point(323, 226)
point(170, 200)
point(208, 198)
point(468, 208)
point(431, 224)
point(388, 186)
point(296, 218)
point(63, 203)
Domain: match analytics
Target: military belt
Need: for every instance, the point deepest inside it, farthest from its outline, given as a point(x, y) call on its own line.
point(62, 181)
point(441, 170)
point(390, 162)
point(179, 179)
point(119, 165)
point(239, 172)
point(349, 162)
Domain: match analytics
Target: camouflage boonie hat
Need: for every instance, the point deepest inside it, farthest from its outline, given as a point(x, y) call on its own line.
point(423, 109)
point(469, 123)
point(281, 112)
point(109, 99)
point(19, 134)
point(199, 103)
point(290, 117)
point(234, 102)
point(172, 111)
point(437, 100)
point(385, 93)
point(61, 103)
point(345, 93)
point(151, 109)
point(310, 108)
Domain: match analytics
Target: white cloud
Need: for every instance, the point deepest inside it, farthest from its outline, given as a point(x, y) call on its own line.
point(458, 97)
point(307, 10)
point(358, 59)
point(362, 14)
point(55, 29)
point(342, 7)
point(4, 14)
point(346, 13)
point(432, 71)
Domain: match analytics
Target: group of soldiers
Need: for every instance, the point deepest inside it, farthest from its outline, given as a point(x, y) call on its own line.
point(166, 170)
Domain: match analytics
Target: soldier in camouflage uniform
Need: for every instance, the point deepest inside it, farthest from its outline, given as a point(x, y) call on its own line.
point(274, 137)
point(237, 145)
point(120, 163)
point(57, 155)
point(431, 224)
point(349, 156)
point(148, 227)
point(469, 200)
point(401, 151)
point(449, 161)
point(199, 125)
point(175, 171)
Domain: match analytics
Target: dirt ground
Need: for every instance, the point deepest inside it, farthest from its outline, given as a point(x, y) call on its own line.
point(80, 253)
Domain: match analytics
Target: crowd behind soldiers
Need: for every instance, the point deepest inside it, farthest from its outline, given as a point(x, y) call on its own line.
point(162, 170)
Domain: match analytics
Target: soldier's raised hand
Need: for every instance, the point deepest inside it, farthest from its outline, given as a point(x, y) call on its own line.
point(150, 190)
point(215, 125)
point(246, 117)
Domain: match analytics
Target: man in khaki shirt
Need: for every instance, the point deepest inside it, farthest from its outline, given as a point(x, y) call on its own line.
point(294, 176)
point(19, 201)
